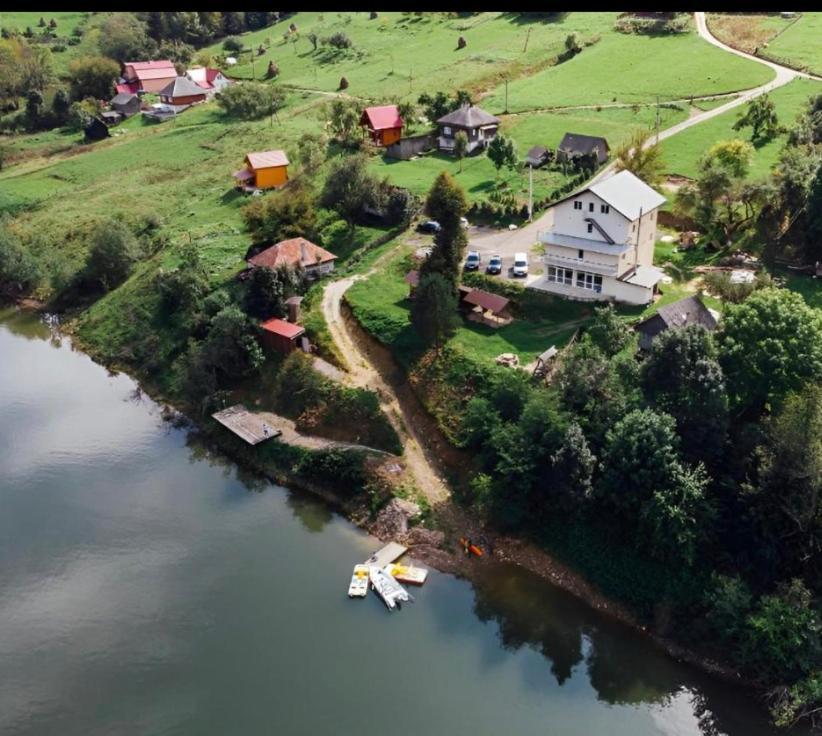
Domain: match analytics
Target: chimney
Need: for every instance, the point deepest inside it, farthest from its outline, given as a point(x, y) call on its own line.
point(293, 306)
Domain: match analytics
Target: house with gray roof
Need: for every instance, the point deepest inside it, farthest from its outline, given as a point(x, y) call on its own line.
point(577, 144)
point(480, 128)
point(687, 311)
point(600, 242)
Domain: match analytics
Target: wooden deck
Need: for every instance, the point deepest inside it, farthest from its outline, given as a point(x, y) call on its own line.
point(251, 427)
point(388, 554)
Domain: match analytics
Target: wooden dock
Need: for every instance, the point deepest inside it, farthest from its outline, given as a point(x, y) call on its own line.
point(388, 554)
point(247, 425)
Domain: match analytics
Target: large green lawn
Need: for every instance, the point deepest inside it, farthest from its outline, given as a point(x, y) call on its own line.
point(633, 68)
point(682, 151)
point(799, 44)
point(406, 54)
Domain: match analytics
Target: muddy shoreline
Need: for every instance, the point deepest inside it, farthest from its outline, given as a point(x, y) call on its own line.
point(448, 557)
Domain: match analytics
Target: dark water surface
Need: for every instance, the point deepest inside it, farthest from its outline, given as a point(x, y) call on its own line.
point(147, 588)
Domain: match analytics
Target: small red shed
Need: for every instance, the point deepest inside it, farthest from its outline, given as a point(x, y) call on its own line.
point(280, 335)
point(383, 124)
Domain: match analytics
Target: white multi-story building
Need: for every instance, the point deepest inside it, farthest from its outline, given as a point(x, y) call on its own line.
point(600, 243)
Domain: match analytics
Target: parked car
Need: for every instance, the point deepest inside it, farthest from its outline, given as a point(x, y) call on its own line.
point(494, 265)
point(520, 264)
point(463, 222)
point(472, 263)
point(429, 226)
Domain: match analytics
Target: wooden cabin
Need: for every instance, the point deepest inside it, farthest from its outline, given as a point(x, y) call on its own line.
point(126, 103)
point(382, 124)
point(182, 92)
point(263, 170)
point(281, 336)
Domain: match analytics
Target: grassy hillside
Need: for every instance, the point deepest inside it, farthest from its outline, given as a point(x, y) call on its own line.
point(682, 151)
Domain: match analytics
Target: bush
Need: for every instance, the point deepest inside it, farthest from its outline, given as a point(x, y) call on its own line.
point(251, 100)
point(338, 40)
point(114, 251)
point(233, 45)
point(287, 214)
point(19, 270)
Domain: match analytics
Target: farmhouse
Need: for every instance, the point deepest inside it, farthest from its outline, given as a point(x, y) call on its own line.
point(600, 242)
point(280, 335)
point(382, 124)
point(211, 80)
point(296, 252)
point(687, 311)
point(263, 170)
point(126, 103)
point(479, 126)
point(146, 76)
point(180, 93)
point(576, 144)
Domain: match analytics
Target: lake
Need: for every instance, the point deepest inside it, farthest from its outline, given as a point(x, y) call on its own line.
point(148, 586)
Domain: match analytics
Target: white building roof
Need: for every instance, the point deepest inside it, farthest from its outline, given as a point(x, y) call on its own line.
point(627, 194)
point(646, 276)
point(595, 246)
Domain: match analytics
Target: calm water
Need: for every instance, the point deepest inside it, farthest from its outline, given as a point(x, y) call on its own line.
point(148, 588)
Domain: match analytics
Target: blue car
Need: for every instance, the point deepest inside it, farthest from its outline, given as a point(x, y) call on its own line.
point(430, 226)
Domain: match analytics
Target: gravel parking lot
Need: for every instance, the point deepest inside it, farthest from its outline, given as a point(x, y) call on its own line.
point(489, 241)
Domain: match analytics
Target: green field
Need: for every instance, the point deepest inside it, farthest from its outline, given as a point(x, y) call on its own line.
point(633, 68)
point(799, 45)
point(682, 151)
point(406, 54)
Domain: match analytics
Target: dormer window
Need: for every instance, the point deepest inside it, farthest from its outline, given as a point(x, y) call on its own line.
point(577, 205)
point(605, 208)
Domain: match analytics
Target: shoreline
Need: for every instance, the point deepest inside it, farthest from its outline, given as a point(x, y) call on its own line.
point(443, 557)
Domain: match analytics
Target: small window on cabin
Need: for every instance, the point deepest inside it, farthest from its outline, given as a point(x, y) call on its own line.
point(590, 206)
point(605, 208)
point(581, 253)
point(590, 227)
point(446, 130)
point(577, 205)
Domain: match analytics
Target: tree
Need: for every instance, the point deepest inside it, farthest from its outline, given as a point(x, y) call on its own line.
point(760, 115)
point(231, 347)
point(232, 45)
point(573, 466)
point(682, 377)
point(19, 270)
point(344, 120)
point(123, 37)
point(813, 242)
point(446, 204)
point(113, 252)
point(350, 187)
point(434, 106)
point(290, 213)
point(312, 149)
point(788, 498)
point(34, 108)
point(478, 421)
point(768, 346)
point(92, 76)
point(409, 113)
point(608, 332)
point(502, 152)
point(642, 160)
point(460, 146)
point(265, 296)
point(251, 100)
point(434, 310)
point(60, 106)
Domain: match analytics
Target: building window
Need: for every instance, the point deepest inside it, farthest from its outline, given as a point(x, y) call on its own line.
point(605, 208)
point(590, 281)
point(577, 205)
point(446, 130)
point(590, 206)
point(590, 227)
point(560, 275)
point(580, 254)
point(633, 226)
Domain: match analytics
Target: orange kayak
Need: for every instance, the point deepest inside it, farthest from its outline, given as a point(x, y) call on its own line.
point(468, 547)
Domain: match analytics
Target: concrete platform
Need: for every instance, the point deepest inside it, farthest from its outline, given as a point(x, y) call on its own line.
point(251, 427)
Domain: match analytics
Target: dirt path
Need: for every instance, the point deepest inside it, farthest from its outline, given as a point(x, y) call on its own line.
point(363, 373)
point(291, 436)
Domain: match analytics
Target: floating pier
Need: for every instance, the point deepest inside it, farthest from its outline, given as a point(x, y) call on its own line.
point(246, 424)
point(388, 554)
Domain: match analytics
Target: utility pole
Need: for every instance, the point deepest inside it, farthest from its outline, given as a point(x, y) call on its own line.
point(527, 36)
point(530, 192)
point(657, 118)
point(411, 80)
point(506, 95)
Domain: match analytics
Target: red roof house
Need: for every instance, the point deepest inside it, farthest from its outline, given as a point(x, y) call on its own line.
point(211, 80)
point(383, 124)
point(149, 76)
point(296, 252)
point(280, 335)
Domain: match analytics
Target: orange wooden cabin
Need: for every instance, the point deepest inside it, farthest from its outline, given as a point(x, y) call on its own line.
point(383, 124)
point(263, 170)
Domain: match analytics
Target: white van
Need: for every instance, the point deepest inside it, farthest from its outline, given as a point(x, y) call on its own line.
point(520, 264)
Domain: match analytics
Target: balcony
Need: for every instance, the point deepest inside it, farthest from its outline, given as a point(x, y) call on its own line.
point(604, 269)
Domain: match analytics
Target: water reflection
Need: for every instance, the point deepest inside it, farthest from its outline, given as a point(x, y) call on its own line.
point(312, 513)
